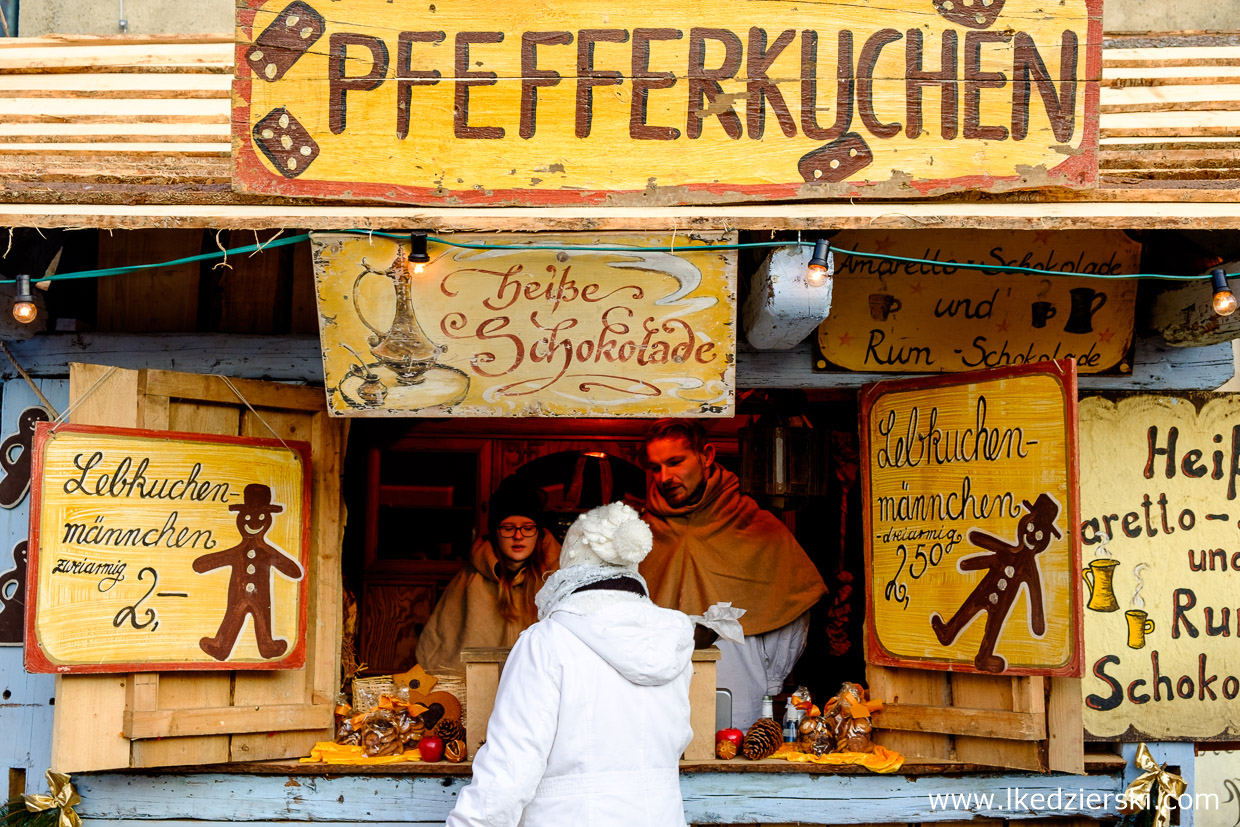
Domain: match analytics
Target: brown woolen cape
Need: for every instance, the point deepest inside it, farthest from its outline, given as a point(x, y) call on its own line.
point(468, 613)
point(724, 548)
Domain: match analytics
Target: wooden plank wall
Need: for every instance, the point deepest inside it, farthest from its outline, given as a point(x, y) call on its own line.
point(26, 701)
point(146, 121)
point(264, 292)
point(1171, 109)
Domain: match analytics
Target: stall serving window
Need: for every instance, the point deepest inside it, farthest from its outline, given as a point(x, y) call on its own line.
point(418, 496)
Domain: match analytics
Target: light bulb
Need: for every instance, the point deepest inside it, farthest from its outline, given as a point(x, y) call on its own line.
point(419, 268)
point(1224, 300)
point(24, 308)
point(25, 312)
point(819, 267)
point(1225, 303)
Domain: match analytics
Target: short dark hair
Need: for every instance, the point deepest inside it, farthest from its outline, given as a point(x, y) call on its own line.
point(690, 430)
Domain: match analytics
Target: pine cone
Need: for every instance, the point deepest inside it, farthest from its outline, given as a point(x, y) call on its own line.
point(762, 739)
point(450, 730)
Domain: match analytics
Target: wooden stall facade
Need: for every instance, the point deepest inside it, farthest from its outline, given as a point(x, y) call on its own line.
point(133, 135)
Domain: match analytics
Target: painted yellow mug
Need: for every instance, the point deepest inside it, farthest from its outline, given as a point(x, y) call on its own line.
point(1099, 576)
point(1139, 625)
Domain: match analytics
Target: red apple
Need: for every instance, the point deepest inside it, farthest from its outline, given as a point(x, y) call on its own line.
point(728, 743)
point(431, 748)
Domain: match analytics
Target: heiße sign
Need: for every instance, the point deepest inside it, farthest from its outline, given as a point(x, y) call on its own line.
point(165, 551)
point(969, 503)
point(1160, 503)
point(554, 330)
point(890, 314)
point(584, 102)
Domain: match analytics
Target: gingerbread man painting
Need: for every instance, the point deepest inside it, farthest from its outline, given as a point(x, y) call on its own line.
point(249, 591)
point(1009, 567)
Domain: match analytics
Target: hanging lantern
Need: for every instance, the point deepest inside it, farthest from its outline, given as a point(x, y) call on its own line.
point(783, 460)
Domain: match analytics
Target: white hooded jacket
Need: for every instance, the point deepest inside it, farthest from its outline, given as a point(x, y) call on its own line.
point(590, 720)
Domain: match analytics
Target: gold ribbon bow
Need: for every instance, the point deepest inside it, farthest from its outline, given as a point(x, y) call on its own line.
point(63, 797)
point(1170, 786)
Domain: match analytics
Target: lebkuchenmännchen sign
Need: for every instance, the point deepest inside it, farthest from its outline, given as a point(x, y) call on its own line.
point(932, 316)
point(969, 507)
point(587, 102)
point(1160, 502)
point(554, 330)
point(164, 551)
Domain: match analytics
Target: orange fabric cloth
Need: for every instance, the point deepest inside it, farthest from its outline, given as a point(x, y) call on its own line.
point(468, 613)
point(327, 752)
point(724, 548)
point(880, 760)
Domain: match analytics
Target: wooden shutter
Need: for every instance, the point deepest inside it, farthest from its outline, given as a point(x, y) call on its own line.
point(1028, 723)
point(192, 718)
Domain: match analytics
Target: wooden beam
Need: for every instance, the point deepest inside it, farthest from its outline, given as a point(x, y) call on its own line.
point(172, 723)
point(1184, 314)
point(1157, 366)
point(960, 720)
point(1221, 211)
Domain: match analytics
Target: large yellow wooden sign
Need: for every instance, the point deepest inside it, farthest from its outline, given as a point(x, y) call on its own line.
point(587, 102)
point(1160, 477)
point(969, 499)
point(889, 314)
point(556, 325)
point(163, 551)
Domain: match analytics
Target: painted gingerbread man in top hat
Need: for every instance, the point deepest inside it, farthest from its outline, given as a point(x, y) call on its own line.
point(1008, 567)
point(249, 590)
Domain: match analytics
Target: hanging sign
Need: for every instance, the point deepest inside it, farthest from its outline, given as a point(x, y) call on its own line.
point(969, 503)
point(1160, 477)
point(889, 315)
point(587, 102)
point(553, 330)
point(165, 551)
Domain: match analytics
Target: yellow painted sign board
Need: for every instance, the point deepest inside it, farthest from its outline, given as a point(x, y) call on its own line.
point(588, 102)
point(555, 329)
point(889, 315)
point(1160, 505)
point(969, 501)
point(166, 551)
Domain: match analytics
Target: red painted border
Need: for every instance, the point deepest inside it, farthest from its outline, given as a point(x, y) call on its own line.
point(1064, 372)
point(249, 175)
point(36, 661)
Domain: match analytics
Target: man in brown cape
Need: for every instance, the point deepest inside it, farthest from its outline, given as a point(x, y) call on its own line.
point(713, 544)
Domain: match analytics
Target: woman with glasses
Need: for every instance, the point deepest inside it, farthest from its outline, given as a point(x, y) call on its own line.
point(491, 600)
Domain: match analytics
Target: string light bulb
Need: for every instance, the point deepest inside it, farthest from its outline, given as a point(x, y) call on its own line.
point(24, 308)
point(1224, 300)
point(418, 255)
point(819, 264)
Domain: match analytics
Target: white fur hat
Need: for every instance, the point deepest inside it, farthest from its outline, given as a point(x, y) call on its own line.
point(610, 535)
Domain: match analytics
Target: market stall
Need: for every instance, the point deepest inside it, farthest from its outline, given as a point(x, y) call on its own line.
point(173, 744)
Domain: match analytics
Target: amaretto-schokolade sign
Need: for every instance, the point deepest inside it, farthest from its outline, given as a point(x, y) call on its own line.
point(581, 101)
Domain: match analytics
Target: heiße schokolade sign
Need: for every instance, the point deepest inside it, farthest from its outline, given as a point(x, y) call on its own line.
point(578, 102)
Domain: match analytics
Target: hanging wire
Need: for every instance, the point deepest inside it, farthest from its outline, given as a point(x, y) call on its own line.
point(569, 248)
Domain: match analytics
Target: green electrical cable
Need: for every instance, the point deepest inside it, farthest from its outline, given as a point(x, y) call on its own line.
point(297, 239)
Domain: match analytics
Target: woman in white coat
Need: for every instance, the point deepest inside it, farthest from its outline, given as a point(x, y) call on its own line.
point(592, 712)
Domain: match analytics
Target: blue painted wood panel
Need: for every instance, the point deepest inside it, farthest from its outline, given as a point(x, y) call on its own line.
point(26, 706)
point(723, 798)
point(1156, 365)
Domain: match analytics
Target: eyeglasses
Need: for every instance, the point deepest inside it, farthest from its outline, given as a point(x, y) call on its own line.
point(509, 530)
